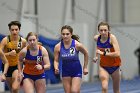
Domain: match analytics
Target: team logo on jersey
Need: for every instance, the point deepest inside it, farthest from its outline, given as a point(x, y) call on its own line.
point(19, 45)
point(72, 50)
point(39, 59)
point(107, 50)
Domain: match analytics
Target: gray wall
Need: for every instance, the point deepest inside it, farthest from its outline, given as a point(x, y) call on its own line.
point(8, 11)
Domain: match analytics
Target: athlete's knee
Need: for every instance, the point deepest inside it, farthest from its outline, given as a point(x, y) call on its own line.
point(116, 90)
point(104, 87)
point(15, 88)
point(104, 90)
point(75, 91)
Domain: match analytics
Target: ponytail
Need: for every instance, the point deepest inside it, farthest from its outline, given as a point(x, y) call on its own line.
point(76, 37)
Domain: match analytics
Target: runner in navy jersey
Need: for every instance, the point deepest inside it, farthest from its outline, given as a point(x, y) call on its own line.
point(68, 51)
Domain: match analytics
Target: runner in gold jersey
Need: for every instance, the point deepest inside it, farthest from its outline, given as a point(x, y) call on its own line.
point(11, 45)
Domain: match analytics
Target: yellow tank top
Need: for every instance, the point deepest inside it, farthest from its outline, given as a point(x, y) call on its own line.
point(13, 45)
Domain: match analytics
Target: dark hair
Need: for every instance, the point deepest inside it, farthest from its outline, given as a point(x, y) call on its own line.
point(104, 24)
point(76, 37)
point(31, 34)
point(14, 23)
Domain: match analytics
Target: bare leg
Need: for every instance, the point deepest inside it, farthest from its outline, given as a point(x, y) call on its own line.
point(28, 85)
point(104, 77)
point(76, 85)
point(67, 84)
point(40, 86)
point(116, 77)
point(16, 82)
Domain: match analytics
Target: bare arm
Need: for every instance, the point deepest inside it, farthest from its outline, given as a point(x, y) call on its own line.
point(115, 44)
point(56, 58)
point(5, 62)
point(96, 55)
point(23, 42)
point(3, 44)
point(83, 50)
point(46, 59)
point(22, 55)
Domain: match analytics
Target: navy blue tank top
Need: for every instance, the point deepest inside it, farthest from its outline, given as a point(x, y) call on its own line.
point(38, 58)
point(70, 54)
point(105, 44)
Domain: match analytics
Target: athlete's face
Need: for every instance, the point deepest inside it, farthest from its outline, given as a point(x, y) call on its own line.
point(103, 30)
point(66, 35)
point(14, 30)
point(32, 41)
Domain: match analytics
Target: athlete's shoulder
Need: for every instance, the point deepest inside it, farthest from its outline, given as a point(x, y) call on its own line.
point(24, 50)
point(42, 47)
point(23, 39)
point(43, 50)
point(96, 37)
point(112, 36)
point(78, 44)
point(57, 46)
point(4, 41)
point(5, 38)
